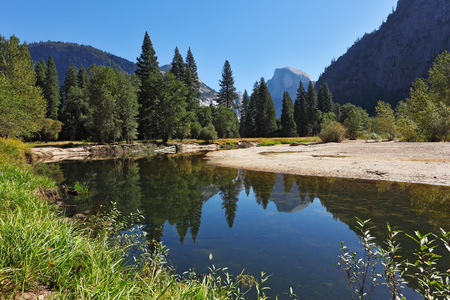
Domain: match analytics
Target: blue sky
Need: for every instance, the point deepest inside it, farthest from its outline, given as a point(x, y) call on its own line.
point(256, 37)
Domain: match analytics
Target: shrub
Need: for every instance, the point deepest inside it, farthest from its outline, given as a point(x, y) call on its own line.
point(333, 132)
point(208, 133)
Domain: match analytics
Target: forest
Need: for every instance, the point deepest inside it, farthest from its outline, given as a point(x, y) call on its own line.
point(104, 105)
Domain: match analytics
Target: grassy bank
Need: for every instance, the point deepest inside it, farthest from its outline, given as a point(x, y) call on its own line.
point(45, 254)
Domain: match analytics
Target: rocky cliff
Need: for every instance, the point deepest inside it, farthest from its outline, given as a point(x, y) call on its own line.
point(286, 79)
point(383, 64)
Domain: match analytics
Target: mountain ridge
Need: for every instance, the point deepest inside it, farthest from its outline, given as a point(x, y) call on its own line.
point(383, 64)
point(65, 53)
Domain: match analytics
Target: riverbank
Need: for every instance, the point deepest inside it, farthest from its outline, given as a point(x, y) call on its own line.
point(427, 163)
point(47, 256)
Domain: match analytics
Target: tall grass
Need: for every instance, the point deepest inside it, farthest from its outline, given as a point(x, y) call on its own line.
point(42, 250)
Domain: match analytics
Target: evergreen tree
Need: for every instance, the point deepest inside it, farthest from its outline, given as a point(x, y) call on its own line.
point(300, 111)
point(51, 90)
point(325, 99)
point(172, 106)
point(22, 107)
point(82, 78)
point(265, 115)
point(147, 62)
point(41, 73)
point(288, 126)
point(311, 109)
point(178, 67)
point(192, 82)
point(151, 83)
point(244, 111)
point(250, 116)
point(227, 92)
point(74, 114)
point(70, 80)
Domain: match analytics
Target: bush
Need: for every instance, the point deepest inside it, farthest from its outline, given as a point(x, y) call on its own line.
point(208, 133)
point(333, 132)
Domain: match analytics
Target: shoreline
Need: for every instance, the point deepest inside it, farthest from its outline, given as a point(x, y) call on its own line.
point(426, 163)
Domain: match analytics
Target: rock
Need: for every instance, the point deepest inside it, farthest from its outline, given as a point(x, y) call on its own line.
point(383, 64)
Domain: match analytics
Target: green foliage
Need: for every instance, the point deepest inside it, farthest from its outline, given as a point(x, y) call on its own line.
point(325, 99)
point(22, 107)
point(192, 82)
point(429, 105)
point(178, 67)
point(74, 113)
point(227, 92)
point(356, 122)
point(147, 62)
point(171, 109)
point(362, 273)
point(51, 90)
point(300, 111)
point(264, 110)
point(406, 127)
point(288, 126)
point(312, 113)
point(208, 133)
point(41, 73)
point(50, 130)
point(332, 131)
point(70, 80)
point(225, 122)
point(385, 120)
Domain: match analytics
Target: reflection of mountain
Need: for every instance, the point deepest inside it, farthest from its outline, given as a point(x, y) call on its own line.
point(285, 195)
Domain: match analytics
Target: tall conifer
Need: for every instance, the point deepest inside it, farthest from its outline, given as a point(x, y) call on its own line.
point(300, 112)
point(151, 83)
point(178, 67)
point(265, 117)
point(192, 82)
point(288, 126)
point(325, 99)
point(51, 91)
point(70, 80)
point(311, 109)
point(227, 92)
point(41, 73)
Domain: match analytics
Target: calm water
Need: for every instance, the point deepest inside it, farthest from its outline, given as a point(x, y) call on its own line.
point(288, 226)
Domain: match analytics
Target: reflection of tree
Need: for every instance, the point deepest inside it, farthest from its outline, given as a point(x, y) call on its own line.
point(229, 194)
point(288, 182)
point(262, 184)
point(172, 191)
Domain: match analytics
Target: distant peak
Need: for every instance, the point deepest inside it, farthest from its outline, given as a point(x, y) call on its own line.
point(293, 70)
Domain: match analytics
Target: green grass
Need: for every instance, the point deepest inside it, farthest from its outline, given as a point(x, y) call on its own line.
point(40, 249)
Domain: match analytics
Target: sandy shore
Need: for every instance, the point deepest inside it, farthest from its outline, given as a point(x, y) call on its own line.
point(392, 161)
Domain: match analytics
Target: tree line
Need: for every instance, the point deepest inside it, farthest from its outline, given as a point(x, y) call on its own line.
point(104, 105)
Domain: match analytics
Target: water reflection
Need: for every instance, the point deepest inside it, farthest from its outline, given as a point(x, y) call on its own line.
point(287, 225)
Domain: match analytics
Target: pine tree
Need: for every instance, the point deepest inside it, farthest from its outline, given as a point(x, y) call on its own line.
point(265, 116)
point(82, 78)
point(227, 92)
point(41, 73)
point(147, 62)
point(244, 111)
point(148, 72)
point(192, 82)
point(70, 80)
point(288, 126)
point(51, 90)
point(127, 105)
point(300, 111)
point(325, 99)
point(311, 109)
point(178, 67)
